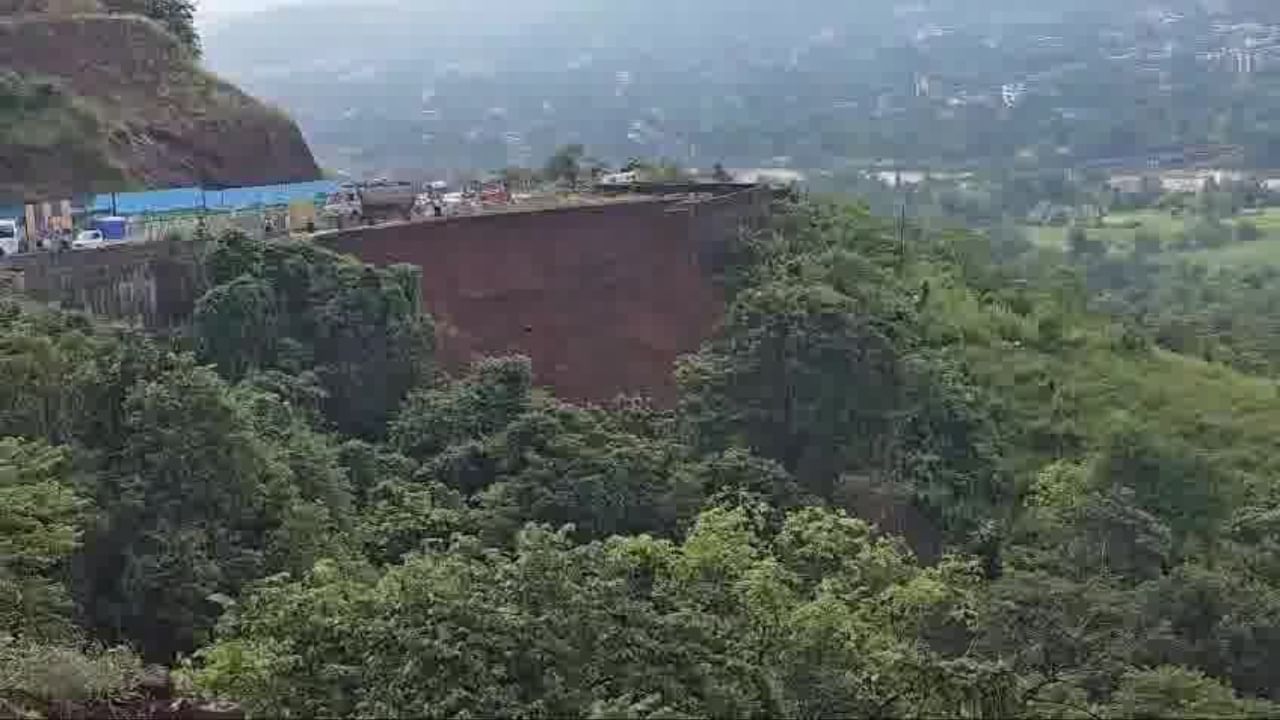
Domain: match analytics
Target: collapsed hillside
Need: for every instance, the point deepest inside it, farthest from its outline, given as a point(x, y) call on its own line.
point(95, 102)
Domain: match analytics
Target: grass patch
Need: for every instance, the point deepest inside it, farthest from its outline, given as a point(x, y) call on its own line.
point(1060, 393)
point(1117, 229)
point(1117, 238)
point(1118, 232)
point(1241, 254)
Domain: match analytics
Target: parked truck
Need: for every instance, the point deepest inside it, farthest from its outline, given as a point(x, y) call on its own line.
point(371, 202)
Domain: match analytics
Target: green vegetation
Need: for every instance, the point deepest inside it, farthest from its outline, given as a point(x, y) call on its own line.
point(1239, 241)
point(354, 332)
point(177, 16)
point(565, 164)
point(1208, 292)
point(1263, 252)
point(50, 137)
point(901, 481)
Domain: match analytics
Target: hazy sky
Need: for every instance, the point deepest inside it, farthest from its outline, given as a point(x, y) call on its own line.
point(213, 9)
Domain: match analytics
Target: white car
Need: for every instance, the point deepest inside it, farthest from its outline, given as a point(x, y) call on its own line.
point(88, 239)
point(10, 237)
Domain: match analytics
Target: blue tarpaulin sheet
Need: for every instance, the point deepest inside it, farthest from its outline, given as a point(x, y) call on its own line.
point(160, 201)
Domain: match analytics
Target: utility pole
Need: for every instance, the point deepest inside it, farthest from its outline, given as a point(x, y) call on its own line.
point(902, 233)
point(202, 228)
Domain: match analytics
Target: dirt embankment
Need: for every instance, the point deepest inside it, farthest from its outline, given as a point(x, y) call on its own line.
point(131, 98)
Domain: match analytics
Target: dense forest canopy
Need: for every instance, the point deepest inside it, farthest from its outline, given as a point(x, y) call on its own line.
point(900, 481)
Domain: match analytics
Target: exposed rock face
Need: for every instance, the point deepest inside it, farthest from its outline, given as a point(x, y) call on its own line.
point(117, 101)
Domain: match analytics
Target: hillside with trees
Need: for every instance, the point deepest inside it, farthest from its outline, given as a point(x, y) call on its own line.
point(900, 481)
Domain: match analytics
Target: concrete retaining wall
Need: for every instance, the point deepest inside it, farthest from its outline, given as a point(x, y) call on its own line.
point(603, 298)
point(153, 285)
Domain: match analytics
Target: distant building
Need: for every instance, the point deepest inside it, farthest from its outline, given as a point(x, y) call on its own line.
point(1183, 182)
point(922, 85)
point(1244, 62)
point(1194, 181)
point(1130, 184)
point(620, 178)
point(1047, 213)
point(767, 176)
point(900, 178)
point(1012, 93)
point(906, 178)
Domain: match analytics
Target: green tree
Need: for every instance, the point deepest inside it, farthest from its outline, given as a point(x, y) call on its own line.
point(1214, 620)
point(178, 515)
point(825, 618)
point(177, 16)
point(40, 524)
point(521, 456)
point(947, 449)
point(1083, 247)
point(42, 657)
point(1247, 231)
point(1168, 479)
point(191, 506)
point(1147, 243)
point(1172, 692)
point(801, 376)
point(565, 165)
point(492, 395)
point(1209, 233)
point(296, 308)
point(818, 367)
point(238, 324)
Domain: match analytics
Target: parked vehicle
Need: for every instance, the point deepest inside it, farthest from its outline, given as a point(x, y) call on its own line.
point(10, 237)
point(374, 201)
point(88, 239)
point(494, 193)
point(114, 229)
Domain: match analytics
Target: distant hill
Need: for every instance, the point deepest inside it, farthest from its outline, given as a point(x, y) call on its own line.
point(100, 102)
point(386, 84)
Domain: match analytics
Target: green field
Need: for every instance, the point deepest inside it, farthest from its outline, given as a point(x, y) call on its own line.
point(1056, 237)
point(1263, 252)
point(1118, 231)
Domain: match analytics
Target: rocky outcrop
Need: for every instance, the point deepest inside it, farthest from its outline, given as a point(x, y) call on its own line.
point(115, 100)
